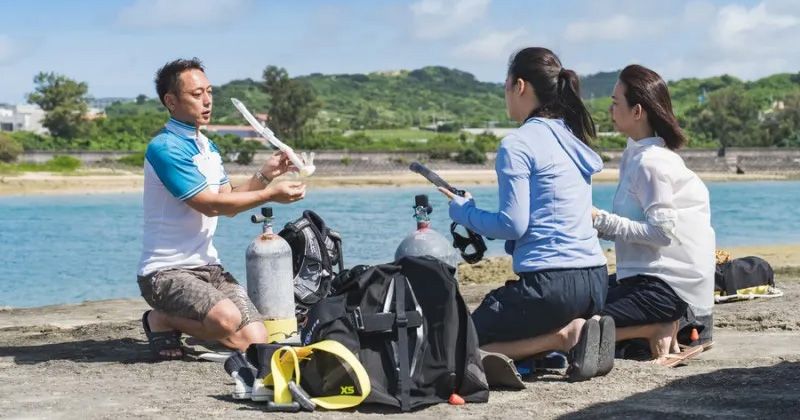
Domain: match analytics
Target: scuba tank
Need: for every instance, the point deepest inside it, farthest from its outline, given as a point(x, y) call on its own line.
point(426, 241)
point(270, 281)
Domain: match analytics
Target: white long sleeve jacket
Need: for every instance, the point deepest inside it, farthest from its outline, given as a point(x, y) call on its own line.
point(661, 222)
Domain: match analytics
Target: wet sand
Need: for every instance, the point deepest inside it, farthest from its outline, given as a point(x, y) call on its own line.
point(91, 360)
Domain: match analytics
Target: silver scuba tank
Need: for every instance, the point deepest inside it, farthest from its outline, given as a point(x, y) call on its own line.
point(270, 281)
point(424, 240)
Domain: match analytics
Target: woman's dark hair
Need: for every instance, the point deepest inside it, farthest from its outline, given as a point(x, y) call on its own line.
point(646, 88)
point(557, 89)
point(168, 77)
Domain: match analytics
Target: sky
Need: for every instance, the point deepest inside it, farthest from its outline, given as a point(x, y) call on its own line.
point(117, 45)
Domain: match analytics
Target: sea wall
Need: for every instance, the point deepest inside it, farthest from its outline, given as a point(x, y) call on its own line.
point(743, 160)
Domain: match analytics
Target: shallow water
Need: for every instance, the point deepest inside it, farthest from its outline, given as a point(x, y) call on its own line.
point(62, 249)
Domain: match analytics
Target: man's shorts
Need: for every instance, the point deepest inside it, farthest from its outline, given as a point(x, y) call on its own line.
point(192, 292)
point(540, 302)
point(642, 300)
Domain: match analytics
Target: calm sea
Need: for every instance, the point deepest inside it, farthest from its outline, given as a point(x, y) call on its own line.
point(62, 249)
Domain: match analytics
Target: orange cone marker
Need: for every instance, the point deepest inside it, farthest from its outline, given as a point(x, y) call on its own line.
point(455, 399)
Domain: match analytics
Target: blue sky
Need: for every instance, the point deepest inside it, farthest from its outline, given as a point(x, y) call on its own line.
point(116, 45)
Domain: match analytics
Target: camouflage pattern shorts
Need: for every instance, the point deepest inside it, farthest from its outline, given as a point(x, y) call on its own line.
point(192, 292)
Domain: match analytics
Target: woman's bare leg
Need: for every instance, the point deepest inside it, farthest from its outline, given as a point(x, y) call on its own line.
point(560, 340)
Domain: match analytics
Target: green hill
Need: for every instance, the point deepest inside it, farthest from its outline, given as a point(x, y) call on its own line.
point(598, 85)
point(416, 98)
point(397, 99)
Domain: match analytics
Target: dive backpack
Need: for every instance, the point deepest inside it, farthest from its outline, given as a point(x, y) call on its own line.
point(744, 278)
point(410, 328)
point(316, 249)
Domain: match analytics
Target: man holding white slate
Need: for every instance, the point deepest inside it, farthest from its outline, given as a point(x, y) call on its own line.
point(185, 189)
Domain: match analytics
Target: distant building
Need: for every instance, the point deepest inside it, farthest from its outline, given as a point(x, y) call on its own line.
point(245, 132)
point(22, 118)
point(777, 106)
point(94, 113)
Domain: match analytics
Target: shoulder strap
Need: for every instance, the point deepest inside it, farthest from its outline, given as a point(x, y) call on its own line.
point(401, 321)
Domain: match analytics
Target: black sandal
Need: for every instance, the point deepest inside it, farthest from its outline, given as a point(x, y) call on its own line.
point(605, 357)
point(583, 356)
point(164, 340)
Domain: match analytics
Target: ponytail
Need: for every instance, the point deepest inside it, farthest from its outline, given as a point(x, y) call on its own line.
point(557, 88)
point(576, 116)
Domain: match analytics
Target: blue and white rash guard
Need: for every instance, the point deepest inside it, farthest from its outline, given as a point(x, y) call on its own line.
point(178, 165)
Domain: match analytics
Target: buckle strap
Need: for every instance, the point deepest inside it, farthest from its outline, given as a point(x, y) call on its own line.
point(384, 322)
point(404, 372)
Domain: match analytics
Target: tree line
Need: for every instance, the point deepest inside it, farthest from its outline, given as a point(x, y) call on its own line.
point(331, 111)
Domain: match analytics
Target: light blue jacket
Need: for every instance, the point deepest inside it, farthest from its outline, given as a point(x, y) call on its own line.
point(545, 199)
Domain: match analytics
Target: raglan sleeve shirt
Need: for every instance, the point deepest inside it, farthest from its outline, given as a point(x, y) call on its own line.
point(176, 170)
point(513, 166)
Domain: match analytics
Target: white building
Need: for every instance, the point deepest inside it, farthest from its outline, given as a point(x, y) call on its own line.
point(22, 118)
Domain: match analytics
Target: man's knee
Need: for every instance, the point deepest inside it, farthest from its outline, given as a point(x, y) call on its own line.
point(254, 332)
point(223, 319)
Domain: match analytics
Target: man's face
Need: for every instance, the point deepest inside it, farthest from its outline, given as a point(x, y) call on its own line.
point(192, 102)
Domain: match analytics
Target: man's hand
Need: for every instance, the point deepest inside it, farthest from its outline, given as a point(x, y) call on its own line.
point(287, 192)
point(594, 213)
point(277, 165)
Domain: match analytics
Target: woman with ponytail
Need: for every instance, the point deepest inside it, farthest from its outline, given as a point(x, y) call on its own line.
point(544, 171)
point(660, 223)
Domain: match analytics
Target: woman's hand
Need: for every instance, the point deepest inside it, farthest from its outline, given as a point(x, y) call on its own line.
point(277, 165)
point(450, 196)
point(594, 213)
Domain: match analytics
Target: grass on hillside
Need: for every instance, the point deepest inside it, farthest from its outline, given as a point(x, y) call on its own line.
point(61, 164)
point(403, 134)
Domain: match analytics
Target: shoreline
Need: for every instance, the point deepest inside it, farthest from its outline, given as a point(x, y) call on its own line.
point(784, 259)
point(120, 182)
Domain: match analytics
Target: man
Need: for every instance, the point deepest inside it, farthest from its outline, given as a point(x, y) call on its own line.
point(185, 189)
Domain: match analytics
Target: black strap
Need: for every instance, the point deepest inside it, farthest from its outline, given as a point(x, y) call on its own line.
point(297, 225)
point(462, 243)
point(337, 241)
point(727, 277)
point(383, 322)
point(326, 258)
point(404, 375)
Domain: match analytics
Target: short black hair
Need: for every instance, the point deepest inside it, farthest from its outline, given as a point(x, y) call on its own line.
point(168, 76)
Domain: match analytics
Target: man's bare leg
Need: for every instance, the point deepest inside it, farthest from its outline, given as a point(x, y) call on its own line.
point(220, 324)
point(563, 340)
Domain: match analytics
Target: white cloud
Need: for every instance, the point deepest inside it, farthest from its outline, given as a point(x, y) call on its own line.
point(756, 31)
point(747, 42)
point(492, 46)
point(700, 38)
point(436, 19)
point(181, 13)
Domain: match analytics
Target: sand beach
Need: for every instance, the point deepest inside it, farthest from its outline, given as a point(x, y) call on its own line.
point(91, 360)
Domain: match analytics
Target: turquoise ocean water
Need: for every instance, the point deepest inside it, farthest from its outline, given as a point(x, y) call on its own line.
point(63, 249)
